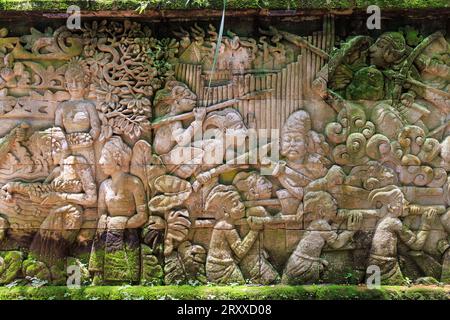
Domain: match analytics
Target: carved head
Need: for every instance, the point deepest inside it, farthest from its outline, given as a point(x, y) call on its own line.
point(319, 205)
point(115, 156)
point(73, 165)
point(367, 84)
point(294, 144)
point(174, 99)
point(253, 186)
point(389, 49)
point(225, 202)
point(390, 199)
point(52, 143)
point(76, 76)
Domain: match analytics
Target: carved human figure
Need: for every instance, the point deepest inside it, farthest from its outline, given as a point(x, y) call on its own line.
point(226, 248)
point(388, 49)
point(122, 210)
point(65, 193)
point(255, 265)
point(390, 228)
point(304, 151)
point(305, 264)
point(224, 131)
point(78, 117)
point(172, 141)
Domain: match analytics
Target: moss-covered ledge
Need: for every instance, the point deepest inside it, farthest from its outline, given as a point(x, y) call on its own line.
point(279, 292)
point(95, 5)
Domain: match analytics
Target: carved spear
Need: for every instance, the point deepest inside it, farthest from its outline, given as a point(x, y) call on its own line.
point(221, 105)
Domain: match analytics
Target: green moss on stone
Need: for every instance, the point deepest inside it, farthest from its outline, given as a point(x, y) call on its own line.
point(279, 292)
point(11, 266)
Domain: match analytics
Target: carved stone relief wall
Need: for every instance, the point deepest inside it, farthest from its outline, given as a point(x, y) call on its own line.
point(331, 154)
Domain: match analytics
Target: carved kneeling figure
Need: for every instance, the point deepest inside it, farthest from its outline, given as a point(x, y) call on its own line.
point(305, 264)
point(226, 248)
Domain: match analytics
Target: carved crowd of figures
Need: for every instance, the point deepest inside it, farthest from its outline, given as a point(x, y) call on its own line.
point(104, 156)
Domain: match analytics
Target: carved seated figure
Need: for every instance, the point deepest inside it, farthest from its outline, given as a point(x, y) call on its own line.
point(63, 195)
point(122, 210)
point(226, 248)
point(305, 264)
point(304, 151)
point(389, 229)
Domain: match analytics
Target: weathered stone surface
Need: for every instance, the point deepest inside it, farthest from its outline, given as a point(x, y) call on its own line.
point(291, 157)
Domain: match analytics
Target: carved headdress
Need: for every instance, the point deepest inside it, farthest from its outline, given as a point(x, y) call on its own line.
point(382, 196)
point(223, 119)
point(219, 196)
point(44, 142)
point(298, 122)
point(77, 70)
point(247, 184)
point(397, 45)
point(319, 205)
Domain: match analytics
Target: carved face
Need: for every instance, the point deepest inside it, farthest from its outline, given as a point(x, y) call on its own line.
point(377, 52)
point(75, 87)
point(235, 207)
point(237, 133)
point(60, 152)
point(262, 188)
point(397, 205)
point(254, 187)
point(319, 205)
point(387, 50)
point(185, 100)
point(107, 162)
point(293, 146)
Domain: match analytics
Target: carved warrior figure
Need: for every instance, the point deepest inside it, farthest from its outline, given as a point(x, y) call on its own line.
point(202, 145)
point(390, 228)
point(305, 152)
point(122, 209)
point(65, 193)
point(305, 264)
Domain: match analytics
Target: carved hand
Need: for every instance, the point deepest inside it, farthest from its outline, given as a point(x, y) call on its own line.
point(199, 114)
point(354, 221)
point(204, 177)
point(429, 215)
point(94, 133)
point(255, 224)
point(280, 168)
